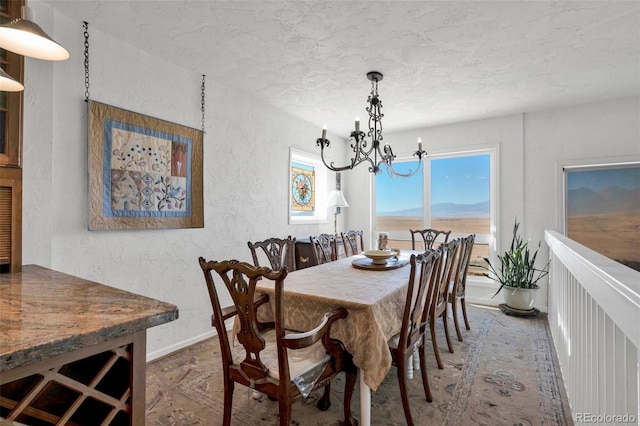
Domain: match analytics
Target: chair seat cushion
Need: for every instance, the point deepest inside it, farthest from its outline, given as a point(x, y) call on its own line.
point(393, 342)
point(301, 361)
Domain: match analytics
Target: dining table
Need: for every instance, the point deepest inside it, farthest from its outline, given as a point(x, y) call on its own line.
point(374, 297)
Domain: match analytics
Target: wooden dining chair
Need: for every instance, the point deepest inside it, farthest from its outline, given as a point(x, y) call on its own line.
point(325, 248)
point(274, 361)
point(458, 285)
point(414, 326)
point(428, 237)
point(352, 242)
point(439, 296)
point(280, 252)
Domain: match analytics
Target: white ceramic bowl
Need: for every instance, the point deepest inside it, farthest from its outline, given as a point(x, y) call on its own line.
point(379, 257)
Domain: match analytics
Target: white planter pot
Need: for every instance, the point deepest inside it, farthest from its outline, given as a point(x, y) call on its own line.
point(519, 298)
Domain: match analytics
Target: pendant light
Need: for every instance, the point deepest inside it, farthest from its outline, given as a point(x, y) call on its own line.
point(8, 84)
point(25, 37)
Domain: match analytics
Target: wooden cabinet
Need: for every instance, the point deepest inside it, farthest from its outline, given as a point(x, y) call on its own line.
point(10, 219)
point(11, 153)
point(304, 254)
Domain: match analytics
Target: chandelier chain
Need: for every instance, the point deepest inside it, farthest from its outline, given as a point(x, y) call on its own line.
point(86, 61)
point(202, 102)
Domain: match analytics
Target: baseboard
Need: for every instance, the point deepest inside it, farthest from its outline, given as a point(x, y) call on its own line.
point(482, 300)
point(168, 350)
point(481, 293)
point(479, 300)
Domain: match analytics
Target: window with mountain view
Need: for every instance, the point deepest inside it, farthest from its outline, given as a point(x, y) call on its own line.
point(452, 192)
point(602, 210)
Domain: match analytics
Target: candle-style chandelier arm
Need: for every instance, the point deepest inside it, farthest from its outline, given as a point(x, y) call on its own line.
point(363, 152)
point(360, 155)
point(394, 173)
point(324, 142)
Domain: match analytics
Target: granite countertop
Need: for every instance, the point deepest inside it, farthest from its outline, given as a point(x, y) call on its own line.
point(44, 313)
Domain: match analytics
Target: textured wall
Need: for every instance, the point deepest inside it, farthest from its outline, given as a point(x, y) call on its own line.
point(246, 150)
point(591, 134)
point(37, 155)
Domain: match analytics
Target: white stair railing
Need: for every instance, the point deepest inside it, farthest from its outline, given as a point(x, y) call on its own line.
point(594, 316)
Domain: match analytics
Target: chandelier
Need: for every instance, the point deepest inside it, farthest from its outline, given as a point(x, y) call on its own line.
point(370, 151)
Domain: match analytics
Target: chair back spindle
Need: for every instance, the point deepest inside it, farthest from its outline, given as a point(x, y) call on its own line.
point(428, 237)
point(279, 252)
point(352, 242)
point(458, 285)
point(439, 296)
point(325, 248)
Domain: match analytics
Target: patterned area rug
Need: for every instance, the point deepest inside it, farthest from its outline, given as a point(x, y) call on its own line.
point(503, 373)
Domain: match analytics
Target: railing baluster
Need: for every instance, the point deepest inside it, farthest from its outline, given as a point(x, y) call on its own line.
point(633, 386)
point(594, 316)
point(601, 360)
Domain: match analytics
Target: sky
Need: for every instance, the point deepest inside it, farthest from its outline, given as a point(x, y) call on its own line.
point(461, 180)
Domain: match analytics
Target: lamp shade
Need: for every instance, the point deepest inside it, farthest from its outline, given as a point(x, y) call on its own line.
point(8, 84)
point(336, 199)
point(26, 38)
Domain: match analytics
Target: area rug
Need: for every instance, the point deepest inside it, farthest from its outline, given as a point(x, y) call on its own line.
point(503, 373)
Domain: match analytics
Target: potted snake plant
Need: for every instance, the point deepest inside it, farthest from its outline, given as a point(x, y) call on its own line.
point(516, 272)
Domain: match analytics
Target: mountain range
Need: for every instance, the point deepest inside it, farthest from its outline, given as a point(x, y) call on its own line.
point(580, 202)
point(614, 199)
point(446, 210)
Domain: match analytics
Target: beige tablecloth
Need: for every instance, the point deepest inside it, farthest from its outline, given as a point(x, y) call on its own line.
point(374, 301)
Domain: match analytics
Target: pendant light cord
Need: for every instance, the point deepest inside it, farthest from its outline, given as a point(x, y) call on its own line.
point(86, 61)
point(202, 102)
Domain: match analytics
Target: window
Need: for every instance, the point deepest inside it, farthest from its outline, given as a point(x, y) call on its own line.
point(308, 188)
point(451, 192)
point(400, 203)
point(602, 210)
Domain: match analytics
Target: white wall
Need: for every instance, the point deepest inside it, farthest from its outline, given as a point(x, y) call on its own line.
point(246, 160)
point(582, 135)
point(246, 149)
point(37, 154)
point(529, 190)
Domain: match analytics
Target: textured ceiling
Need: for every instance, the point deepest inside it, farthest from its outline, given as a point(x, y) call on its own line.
point(442, 61)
